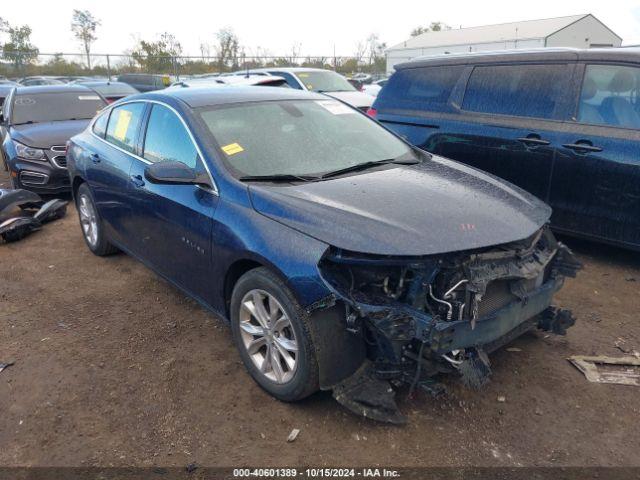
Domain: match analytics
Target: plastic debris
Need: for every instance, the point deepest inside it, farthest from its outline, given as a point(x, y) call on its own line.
point(602, 369)
point(5, 365)
point(293, 435)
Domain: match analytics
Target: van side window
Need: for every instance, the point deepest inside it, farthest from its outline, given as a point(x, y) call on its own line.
point(518, 90)
point(167, 139)
point(100, 125)
point(290, 79)
point(420, 88)
point(124, 122)
point(610, 96)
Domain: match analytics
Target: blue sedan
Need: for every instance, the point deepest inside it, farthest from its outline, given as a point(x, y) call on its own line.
point(343, 257)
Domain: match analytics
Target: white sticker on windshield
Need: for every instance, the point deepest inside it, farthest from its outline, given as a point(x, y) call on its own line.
point(336, 108)
point(88, 97)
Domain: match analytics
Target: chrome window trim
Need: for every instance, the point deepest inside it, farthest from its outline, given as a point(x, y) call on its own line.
point(214, 189)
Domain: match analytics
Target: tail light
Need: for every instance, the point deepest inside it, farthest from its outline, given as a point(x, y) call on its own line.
point(66, 147)
point(372, 112)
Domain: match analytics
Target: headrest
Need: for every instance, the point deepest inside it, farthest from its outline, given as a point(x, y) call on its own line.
point(589, 89)
point(622, 81)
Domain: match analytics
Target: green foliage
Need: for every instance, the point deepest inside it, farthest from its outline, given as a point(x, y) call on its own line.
point(158, 56)
point(83, 26)
point(19, 50)
point(433, 27)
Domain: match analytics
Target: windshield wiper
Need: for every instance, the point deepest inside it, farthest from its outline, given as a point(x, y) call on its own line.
point(280, 177)
point(366, 165)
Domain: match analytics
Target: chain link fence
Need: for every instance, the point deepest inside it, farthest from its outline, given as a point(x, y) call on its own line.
point(22, 64)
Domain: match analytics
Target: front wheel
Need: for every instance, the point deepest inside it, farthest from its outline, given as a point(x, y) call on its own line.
point(91, 223)
point(271, 332)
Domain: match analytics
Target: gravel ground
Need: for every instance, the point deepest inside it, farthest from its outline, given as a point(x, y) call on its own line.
point(114, 367)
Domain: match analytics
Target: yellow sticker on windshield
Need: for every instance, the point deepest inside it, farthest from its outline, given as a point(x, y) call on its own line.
point(122, 125)
point(232, 149)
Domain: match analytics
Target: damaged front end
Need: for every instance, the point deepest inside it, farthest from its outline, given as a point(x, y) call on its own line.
point(420, 316)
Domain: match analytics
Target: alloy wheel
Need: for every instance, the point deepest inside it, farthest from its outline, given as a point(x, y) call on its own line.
point(88, 220)
point(268, 336)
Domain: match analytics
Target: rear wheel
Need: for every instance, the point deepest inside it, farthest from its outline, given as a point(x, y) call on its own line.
point(91, 223)
point(271, 332)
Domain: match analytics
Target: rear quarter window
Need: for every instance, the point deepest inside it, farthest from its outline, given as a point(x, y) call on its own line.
point(425, 88)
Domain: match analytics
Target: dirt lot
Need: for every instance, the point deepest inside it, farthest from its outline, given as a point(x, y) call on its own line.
point(116, 367)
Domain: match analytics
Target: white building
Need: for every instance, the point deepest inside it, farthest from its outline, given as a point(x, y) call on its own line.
point(578, 31)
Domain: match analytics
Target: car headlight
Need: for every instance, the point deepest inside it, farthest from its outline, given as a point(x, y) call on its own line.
point(29, 153)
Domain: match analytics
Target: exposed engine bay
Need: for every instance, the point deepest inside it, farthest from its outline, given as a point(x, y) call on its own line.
point(420, 317)
point(23, 212)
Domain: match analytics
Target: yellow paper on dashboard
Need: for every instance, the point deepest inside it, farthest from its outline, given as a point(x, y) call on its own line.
point(122, 125)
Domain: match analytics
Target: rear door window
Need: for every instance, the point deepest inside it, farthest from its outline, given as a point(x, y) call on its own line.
point(518, 90)
point(426, 88)
point(610, 96)
point(167, 139)
point(124, 123)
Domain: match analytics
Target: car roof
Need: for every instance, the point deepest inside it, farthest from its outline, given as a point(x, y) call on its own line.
point(623, 54)
point(286, 69)
point(201, 97)
point(66, 88)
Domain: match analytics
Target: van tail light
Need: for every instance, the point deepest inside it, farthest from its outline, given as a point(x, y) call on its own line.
point(66, 147)
point(372, 112)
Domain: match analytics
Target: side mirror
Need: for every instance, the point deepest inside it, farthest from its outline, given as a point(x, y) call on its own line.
point(172, 173)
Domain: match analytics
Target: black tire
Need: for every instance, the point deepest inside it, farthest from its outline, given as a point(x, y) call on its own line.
point(101, 246)
point(304, 381)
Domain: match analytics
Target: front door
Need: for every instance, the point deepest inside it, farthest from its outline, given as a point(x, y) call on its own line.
point(173, 223)
point(595, 189)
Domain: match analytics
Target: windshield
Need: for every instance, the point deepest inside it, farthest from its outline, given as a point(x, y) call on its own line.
point(299, 137)
point(51, 107)
point(324, 81)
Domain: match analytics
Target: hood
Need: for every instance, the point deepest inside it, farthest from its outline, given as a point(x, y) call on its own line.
point(355, 99)
point(46, 134)
point(438, 206)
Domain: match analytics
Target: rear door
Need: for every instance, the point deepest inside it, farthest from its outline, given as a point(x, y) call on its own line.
point(595, 188)
point(109, 162)
point(172, 223)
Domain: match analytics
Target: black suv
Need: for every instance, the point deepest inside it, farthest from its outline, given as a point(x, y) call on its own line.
point(563, 124)
point(37, 122)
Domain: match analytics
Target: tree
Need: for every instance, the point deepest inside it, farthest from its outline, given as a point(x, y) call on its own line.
point(19, 50)
point(227, 49)
point(158, 56)
point(433, 27)
point(83, 26)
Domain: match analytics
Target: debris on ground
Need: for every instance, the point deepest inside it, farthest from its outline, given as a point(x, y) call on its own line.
point(293, 435)
point(5, 365)
point(603, 369)
point(514, 349)
point(192, 467)
point(15, 226)
point(502, 398)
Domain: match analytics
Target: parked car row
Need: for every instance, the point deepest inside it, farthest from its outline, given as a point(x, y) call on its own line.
point(345, 255)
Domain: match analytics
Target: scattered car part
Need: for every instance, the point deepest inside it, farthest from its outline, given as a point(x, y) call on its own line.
point(595, 369)
point(3, 366)
point(10, 199)
point(16, 227)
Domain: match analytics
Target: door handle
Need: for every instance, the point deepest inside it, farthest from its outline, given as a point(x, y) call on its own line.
point(137, 180)
point(533, 141)
point(582, 147)
point(95, 158)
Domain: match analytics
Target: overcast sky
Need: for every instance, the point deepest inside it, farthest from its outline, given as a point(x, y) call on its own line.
point(276, 26)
